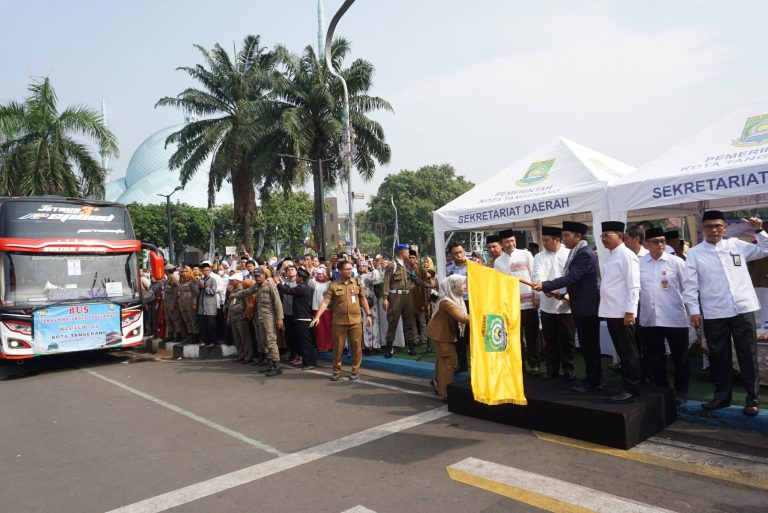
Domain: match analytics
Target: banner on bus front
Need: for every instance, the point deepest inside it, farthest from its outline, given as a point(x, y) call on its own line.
point(67, 328)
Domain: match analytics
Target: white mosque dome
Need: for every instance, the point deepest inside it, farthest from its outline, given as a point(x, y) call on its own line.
point(148, 175)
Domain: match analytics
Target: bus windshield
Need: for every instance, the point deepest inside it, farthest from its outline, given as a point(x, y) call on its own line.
point(38, 279)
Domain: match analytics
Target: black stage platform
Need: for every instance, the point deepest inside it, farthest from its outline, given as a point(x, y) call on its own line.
point(554, 408)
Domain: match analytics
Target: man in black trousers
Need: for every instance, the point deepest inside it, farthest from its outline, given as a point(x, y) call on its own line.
point(580, 279)
point(302, 316)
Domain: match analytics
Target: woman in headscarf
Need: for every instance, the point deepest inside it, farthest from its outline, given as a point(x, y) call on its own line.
point(448, 322)
point(188, 305)
point(320, 283)
point(367, 278)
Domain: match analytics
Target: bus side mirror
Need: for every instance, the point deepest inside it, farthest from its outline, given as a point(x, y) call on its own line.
point(156, 261)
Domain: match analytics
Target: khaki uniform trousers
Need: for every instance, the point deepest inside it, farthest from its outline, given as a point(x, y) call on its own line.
point(173, 325)
point(266, 334)
point(340, 333)
point(241, 333)
point(400, 305)
point(189, 316)
point(445, 366)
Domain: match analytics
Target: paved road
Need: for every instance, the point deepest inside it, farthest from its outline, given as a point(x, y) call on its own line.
point(104, 433)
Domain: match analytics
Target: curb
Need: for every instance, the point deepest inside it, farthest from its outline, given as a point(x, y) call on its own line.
point(394, 365)
point(730, 417)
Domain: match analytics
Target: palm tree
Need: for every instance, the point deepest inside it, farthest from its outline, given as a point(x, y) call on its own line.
point(228, 89)
point(41, 151)
point(303, 118)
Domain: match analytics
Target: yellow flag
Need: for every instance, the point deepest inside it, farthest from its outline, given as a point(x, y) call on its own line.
point(494, 311)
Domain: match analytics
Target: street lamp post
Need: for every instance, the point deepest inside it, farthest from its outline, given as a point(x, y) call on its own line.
point(348, 149)
point(171, 250)
point(319, 230)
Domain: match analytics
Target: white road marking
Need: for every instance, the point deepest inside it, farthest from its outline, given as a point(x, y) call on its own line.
point(358, 509)
point(379, 385)
point(530, 487)
point(225, 482)
point(181, 411)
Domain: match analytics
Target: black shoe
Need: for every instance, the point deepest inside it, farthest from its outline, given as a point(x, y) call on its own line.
point(249, 360)
point(570, 376)
point(622, 397)
point(267, 369)
point(239, 359)
point(588, 387)
point(716, 404)
point(388, 354)
point(354, 376)
point(615, 367)
point(274, 371)
point(261, 362)
point(335, 377)
point(535, 371)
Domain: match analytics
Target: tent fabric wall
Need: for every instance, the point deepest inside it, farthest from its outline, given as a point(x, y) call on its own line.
point(558, 180)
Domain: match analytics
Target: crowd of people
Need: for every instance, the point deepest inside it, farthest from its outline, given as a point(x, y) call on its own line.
point(285, 311)
point(650, 294)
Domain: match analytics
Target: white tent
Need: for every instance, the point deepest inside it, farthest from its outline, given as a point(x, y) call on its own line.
point(559, 179)
point(724, 166)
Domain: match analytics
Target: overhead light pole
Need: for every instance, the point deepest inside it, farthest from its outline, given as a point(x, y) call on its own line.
point(171, 250)
point(319, 230)
point(348, 150)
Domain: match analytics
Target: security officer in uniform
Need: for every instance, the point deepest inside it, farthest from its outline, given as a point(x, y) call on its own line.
point(268, 316)
point(241, 331)
point(348, 304)
point(398, 301)
point(173, 326)
point(187, 301)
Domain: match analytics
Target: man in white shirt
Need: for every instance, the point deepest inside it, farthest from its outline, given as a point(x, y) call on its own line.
point(519, 263)
point(662, 313)
point(633, 239)
point(720, 297)
point(619, 294)
point(557, 322)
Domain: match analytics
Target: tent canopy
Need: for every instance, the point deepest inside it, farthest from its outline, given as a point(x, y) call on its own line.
point(560, 178)
point(724, 166)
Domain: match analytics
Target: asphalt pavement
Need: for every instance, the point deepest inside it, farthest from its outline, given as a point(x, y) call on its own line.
point(116, 432)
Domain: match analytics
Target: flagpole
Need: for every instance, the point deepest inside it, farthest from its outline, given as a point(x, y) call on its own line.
point(396, 235)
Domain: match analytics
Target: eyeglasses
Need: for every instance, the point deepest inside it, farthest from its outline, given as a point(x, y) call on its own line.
point(713, 226)
point(655, 241)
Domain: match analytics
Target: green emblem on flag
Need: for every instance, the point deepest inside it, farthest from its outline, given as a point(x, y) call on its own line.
point(537, 173)
point(755, 132)
point(494, 334)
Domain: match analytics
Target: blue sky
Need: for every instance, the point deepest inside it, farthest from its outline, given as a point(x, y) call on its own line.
point(473, 84)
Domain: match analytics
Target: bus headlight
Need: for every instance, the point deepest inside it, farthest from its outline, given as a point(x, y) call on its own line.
point(19, 327)
point(131, 318)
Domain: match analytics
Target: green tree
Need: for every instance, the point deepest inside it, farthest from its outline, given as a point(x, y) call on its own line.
point(303, 118)
point(191, 225)
point(417, 194)
point(229, 89)
point(285, 216)
point(41, 149)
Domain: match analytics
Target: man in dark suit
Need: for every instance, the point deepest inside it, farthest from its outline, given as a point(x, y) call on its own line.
point(580, 278)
